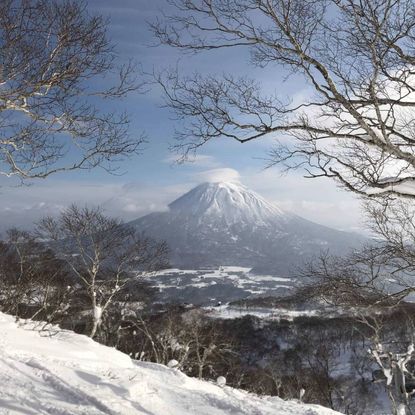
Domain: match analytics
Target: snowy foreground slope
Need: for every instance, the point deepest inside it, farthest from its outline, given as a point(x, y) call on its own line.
point(69, 374)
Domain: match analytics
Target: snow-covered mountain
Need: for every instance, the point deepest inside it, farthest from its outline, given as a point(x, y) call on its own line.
point(218, 224)
point(61, 373)
point(228, 203)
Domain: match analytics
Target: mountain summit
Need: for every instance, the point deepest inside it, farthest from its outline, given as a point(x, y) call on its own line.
point(218, 224)
point(232, 202)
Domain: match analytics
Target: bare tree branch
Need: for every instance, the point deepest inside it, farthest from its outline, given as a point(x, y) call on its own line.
point(358, 57)
point(57, 66)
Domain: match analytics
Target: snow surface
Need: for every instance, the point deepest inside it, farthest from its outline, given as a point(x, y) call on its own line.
point(62, 373)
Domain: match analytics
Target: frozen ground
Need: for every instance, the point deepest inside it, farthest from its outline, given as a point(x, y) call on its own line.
point(61, 373)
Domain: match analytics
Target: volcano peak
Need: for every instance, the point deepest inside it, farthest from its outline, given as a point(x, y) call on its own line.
point(230, 201)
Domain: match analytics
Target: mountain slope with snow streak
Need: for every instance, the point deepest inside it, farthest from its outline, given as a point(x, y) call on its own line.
point(232, 202)
point(62, 373)
point(226, 224)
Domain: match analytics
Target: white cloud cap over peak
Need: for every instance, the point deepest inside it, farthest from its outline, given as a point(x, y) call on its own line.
point(225, 174)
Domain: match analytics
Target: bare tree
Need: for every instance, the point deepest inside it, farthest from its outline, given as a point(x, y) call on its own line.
point(376, 285)
point(158, 338)
point(381, 273)
point(102, 254)
point(56, 70)
point(394, 361)
point(207, 345)
point(357, 56)
point(34, 283)
point(198, 345)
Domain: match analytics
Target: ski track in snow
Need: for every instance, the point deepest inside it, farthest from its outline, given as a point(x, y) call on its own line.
point(69, 374)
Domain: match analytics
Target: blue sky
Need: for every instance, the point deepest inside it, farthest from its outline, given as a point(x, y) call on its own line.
point(151, 180)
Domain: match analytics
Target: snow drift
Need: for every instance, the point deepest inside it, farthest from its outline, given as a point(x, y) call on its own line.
point(62, 373)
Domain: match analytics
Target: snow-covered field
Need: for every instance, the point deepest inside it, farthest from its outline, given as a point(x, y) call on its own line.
point(209, 286)
point(230, 312)
point(62, 373)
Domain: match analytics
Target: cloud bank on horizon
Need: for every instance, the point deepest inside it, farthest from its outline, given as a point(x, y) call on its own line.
point(129, 200)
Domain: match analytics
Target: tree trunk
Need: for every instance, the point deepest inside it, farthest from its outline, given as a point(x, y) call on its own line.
point(96, 317)
point(400, 402)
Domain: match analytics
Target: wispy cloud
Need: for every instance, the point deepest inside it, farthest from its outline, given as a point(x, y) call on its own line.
point(224, 174)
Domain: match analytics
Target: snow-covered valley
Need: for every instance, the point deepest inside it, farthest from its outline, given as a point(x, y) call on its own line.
point(207, 287)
